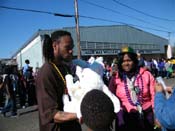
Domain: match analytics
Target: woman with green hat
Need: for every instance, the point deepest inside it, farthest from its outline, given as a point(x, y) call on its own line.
point(134, 86)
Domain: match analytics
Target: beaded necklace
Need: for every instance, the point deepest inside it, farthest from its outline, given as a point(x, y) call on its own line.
point(60, 74)
point(139, 91)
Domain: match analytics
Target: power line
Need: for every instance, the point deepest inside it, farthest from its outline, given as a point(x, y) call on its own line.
point(37, 11)
point(141, 12)
point(83, 16)
point(114, 11)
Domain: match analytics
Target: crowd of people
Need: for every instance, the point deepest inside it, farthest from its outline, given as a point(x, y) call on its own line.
point(130, 77)
point(17, 89)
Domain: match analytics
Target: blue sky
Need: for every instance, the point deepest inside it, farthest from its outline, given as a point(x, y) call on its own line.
point(16, 27)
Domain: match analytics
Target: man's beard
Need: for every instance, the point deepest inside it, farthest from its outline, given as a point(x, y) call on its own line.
point(66, 60)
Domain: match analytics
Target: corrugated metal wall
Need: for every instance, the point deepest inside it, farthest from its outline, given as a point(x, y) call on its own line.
point(118, 34)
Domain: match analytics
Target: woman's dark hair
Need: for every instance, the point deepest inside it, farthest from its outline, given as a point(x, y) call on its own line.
point(133, 57)
point(48, 41)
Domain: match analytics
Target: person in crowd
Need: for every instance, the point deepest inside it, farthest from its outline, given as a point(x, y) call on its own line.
point(153, 68)
point(1, 81)
point(114, 67)
point(30, 86)
point(140, 60)
point(22, 89)
point(51, 84)
point(134, 86)
point(26, 77)
point(106, 73)
point(26, 67)
point(97, 111)
point(1, 93)
point(10, 93)
point(168, 69)
point(164, 108)
point(161, 65)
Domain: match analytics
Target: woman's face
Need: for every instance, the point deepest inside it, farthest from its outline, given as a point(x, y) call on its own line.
point(127, 63)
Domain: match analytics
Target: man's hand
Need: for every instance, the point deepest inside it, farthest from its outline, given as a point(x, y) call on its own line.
point(62, 116)
point(169, 89)
point(157, 124)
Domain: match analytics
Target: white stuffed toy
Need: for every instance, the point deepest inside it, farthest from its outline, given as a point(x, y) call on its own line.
point(89, 79)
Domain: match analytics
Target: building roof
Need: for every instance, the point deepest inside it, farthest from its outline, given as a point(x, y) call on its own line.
point(122, 33)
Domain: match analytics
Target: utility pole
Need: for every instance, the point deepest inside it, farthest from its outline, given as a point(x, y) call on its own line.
point(169, 33)
point(169, 48)
point(77, 29)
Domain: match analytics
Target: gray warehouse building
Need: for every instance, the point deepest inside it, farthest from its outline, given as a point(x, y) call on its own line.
point(103, 41)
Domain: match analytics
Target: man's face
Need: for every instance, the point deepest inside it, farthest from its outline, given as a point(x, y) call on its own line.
point(127, 63)
point(64, 48)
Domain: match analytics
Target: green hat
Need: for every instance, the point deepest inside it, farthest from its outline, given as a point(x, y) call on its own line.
point(127, 49)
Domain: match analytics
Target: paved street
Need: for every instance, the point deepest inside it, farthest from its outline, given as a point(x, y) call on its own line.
point(25, 122)
point(28, 118)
